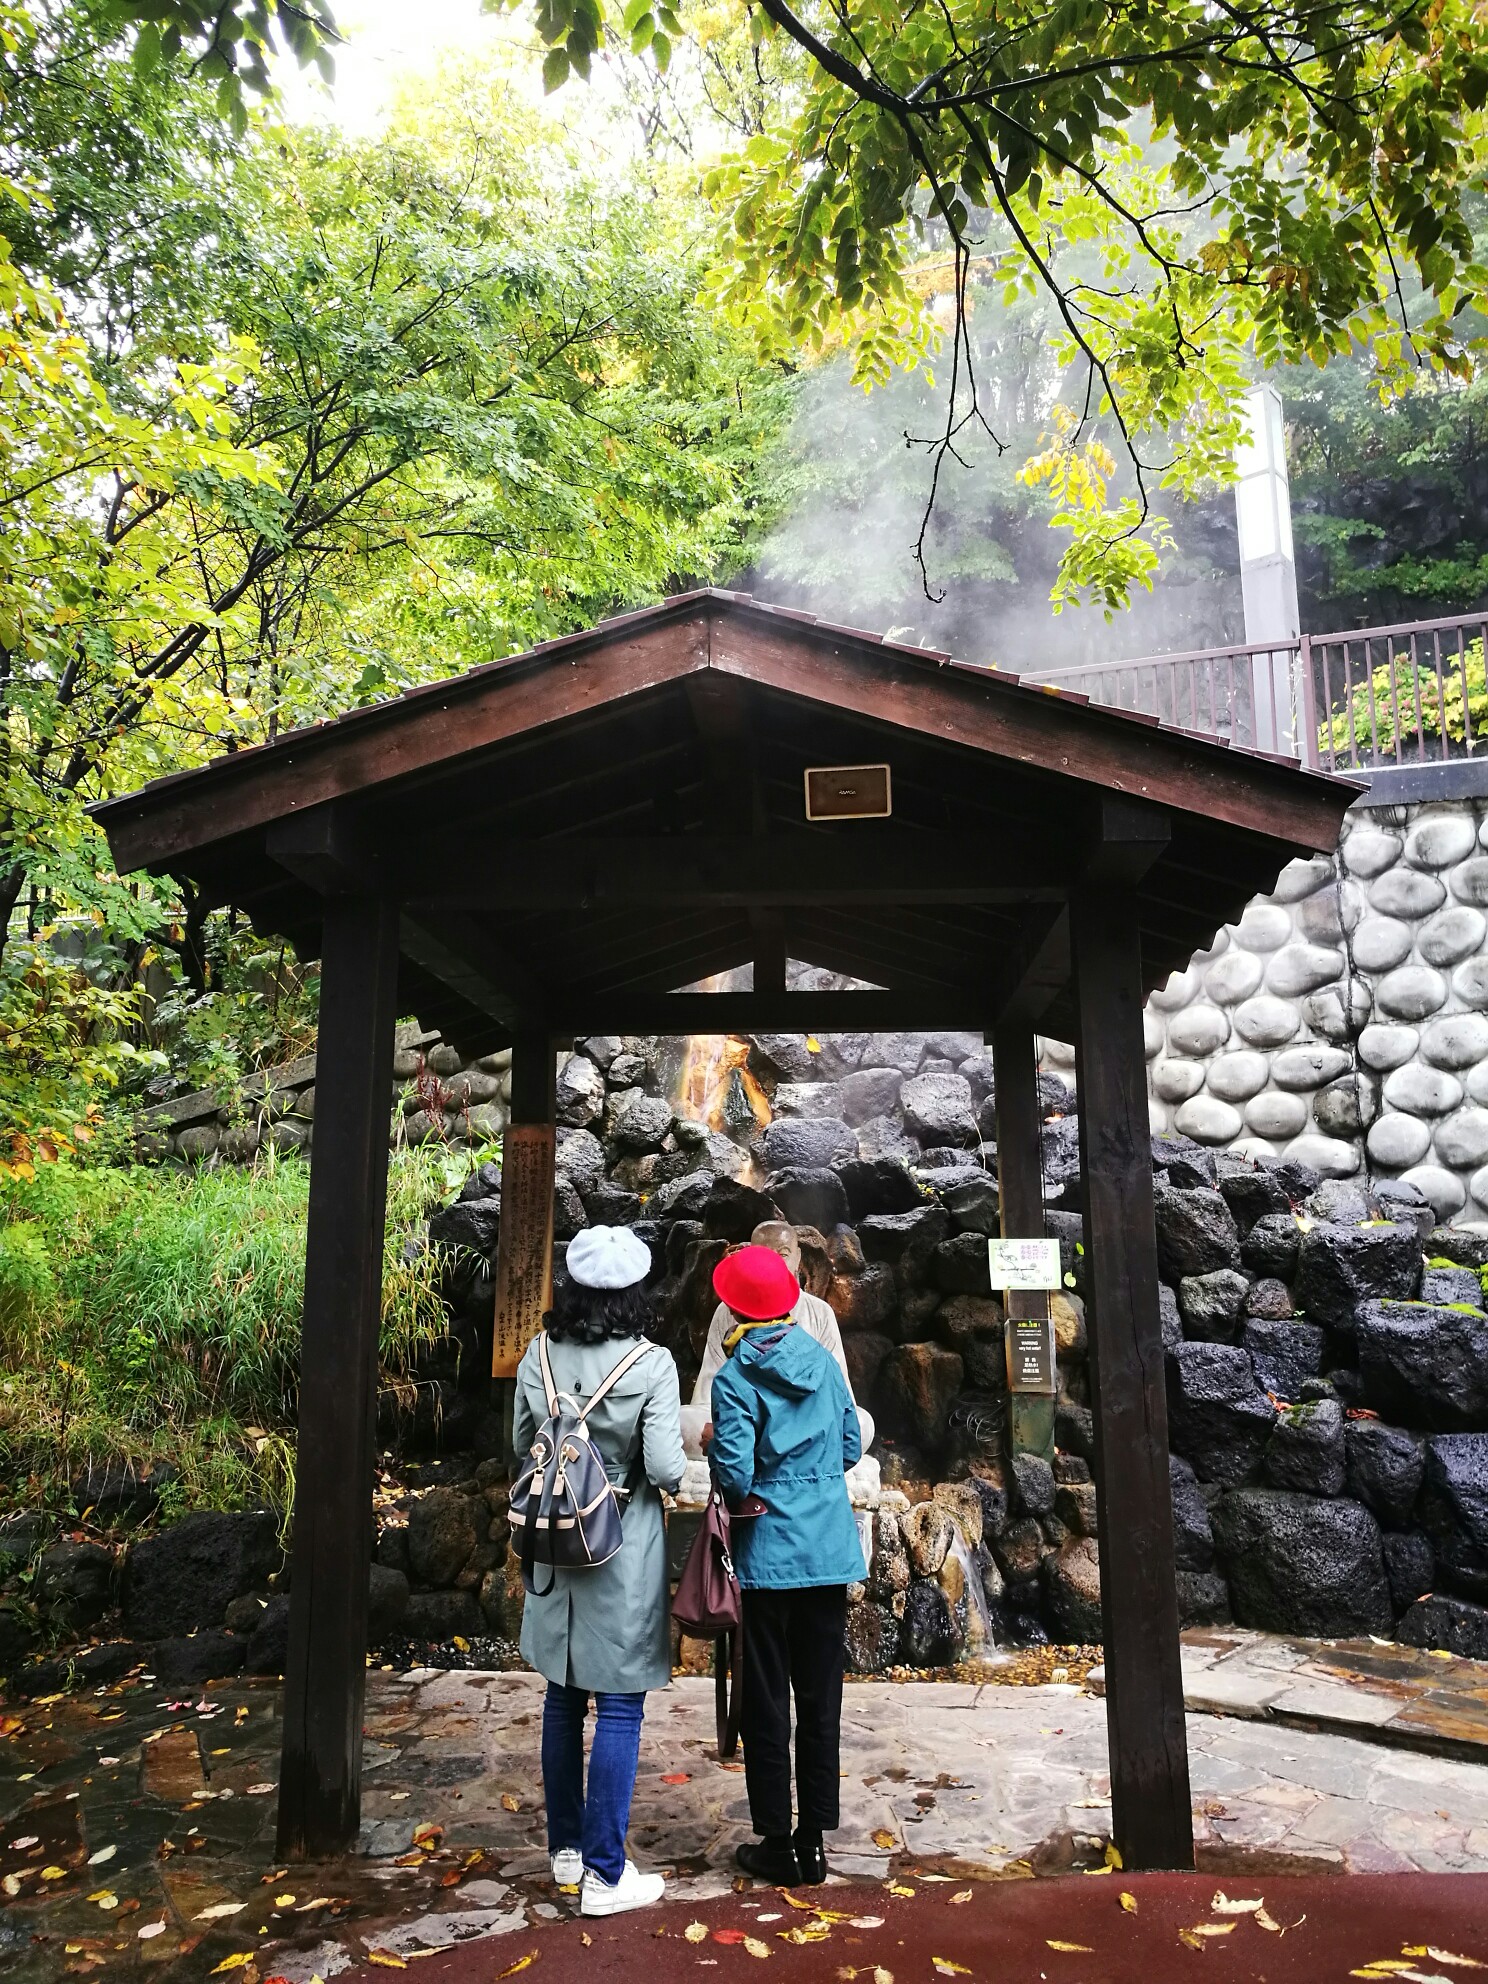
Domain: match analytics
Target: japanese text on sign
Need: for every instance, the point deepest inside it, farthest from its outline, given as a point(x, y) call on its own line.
point(524, 1261)
point(1030, 1354)
point(1024, 1263)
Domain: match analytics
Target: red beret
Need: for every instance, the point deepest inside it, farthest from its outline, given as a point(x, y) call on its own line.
point(756, 1283)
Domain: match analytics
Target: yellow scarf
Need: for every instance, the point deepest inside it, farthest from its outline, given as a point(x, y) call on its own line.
point(736, 1335)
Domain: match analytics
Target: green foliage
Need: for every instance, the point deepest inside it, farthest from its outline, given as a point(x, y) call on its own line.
point(155, 1314)
point(227, 42)
point(1403, 700)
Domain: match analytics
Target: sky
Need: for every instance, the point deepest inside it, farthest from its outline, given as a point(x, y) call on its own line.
point(387, 41)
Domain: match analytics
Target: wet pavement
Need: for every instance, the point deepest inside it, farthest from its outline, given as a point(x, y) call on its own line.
point(137, 1829)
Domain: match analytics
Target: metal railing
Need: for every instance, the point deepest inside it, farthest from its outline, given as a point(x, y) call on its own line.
point(1368, 696)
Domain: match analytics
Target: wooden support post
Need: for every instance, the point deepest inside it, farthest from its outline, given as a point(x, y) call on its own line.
point(321, 1771)
point(524, 1250)
point(1152, 1823)
point(1020, 1193)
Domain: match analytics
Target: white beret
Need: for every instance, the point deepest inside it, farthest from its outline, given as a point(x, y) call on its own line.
point(607, 1257)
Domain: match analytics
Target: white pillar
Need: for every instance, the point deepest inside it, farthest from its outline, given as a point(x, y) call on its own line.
point(1268, 571)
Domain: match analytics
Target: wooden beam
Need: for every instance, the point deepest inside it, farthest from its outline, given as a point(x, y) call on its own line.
point(326, 850)
point(772, 1012)
point(324, 1678)
point(468, 968)
point(1151, 1818)
point(1038, 967)
point(873, 862)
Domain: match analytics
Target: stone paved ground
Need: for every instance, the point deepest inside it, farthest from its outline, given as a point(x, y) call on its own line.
point(956, 1779)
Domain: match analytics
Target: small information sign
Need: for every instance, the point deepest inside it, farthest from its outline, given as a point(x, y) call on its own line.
point(524, 1261)
point(1030, 1264)
point(1030, 1354)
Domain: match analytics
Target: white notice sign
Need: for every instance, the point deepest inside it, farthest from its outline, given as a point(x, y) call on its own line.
point(1024, 1264)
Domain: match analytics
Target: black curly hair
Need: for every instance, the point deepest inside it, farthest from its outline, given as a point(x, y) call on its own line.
point(596, 1315)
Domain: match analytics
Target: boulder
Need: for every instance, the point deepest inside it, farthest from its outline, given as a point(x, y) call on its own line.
point(1306, 1450)
point(1298, 1564)
point(1196, 1232)
point(972, 1326)
point(387, 1601)
point(188, 1575)
point(838, 1054)
point(806, 1144)
point(1193, 1540)
point(608, 1204)
point(1450, 1623)
point(906, 1240)
point(1269, 1300)
point(974, 1207)
point(1019, 1550)
point(873, 1636)
point(959, 1265)
point(1454, 1509)
point(1270, 1247)
point(440, 1615)
point(930, 1638)
point(922, 1380)
point(865, 1351)
point(1072, 1592)
point(73, 1585)
point(877, 1185)
point(888, 1570)
point(927, 1530)
point(569, 1213)
point(869, 1092)
point(812, 1197)
point(685, 1197)
point(1077, 1507)
point(1451, 1287)
point(939, 1109)
point(1340, 1267)
point(1034, 1479)
point(1203, 1599)
point(963, 1505)
point(1210, 1304)
point(1252, 1196)
point(785, 1055)
point(187, 1661)
point(1283, 1355)
point(579, 1158)
point(641, 1123)
point(733, 1210)
point(1218, 1416)
point(1169, 1320)
point(470, 1223)
point(117, 1490)
point(580, 1093)
point(868, 1300)
point(988, 1478)
point(442, 1533)
point(1410, 1565)
point(1074, 1428)
point(1385, 1467)
point(1182, 1162)
point(1427, 1366)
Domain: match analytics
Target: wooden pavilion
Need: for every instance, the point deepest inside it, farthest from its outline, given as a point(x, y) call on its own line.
point(628, 807)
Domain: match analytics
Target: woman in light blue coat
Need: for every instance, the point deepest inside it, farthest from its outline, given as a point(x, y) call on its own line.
point(785, 1430)
point(604, 1631)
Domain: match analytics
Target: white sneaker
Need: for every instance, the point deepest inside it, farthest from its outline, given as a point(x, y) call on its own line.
point(633, 1890)
point(568, 1866)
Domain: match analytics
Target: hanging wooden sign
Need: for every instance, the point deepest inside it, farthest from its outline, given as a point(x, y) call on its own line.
point(524, 1259)
point(1030, 1355)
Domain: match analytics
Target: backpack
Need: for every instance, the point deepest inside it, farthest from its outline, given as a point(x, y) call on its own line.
point(564, 1509)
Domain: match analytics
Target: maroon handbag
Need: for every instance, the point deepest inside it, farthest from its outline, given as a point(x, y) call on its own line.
point(709, 1605)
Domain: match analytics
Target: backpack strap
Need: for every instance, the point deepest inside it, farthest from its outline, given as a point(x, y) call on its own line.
point(607, 1384)
point(547, 1372)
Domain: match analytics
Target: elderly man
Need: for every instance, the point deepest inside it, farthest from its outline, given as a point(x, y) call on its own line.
point(814, 1315)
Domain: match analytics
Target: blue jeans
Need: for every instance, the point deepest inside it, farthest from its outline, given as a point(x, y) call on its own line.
point(596, 1824)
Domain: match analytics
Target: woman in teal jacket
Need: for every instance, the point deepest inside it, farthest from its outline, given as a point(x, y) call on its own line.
point(785, 1430)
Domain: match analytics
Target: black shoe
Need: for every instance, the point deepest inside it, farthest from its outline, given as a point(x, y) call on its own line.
point(811, 1858)
point(772, 1860)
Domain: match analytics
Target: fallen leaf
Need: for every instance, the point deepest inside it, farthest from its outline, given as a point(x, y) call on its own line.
point(318, 1901)
point(1222, 1905)
point(754, 1947)
point(585, 1938)
point(1129, 1903)
point(1440, 1956)
point(964, 1895)
point(27, 1839)
point(806, 1932)
point(284, 1901)
point(949, 1969)
point(430, 1835)
point(1113, 1854)
point(696, 1932)
point(103, 1854)
point(884, 1839)
point(508, 1804)
point(728, 1936)
point(894, 1888)
point(11, 1885)
point(259, 1791)
point(453, 1878)
point(882, 1976)
point(677, 1777)
point(1212, 1929)
point(391, 1962)
point(865, 1921)
point(767, 1918)
point(234, 1962)
point(1266, 1920)
point(218, 1909)
point(1083, 1949)
point(149, 1929)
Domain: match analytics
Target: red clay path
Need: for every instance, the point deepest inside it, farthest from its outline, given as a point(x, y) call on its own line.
point(1427, 1927)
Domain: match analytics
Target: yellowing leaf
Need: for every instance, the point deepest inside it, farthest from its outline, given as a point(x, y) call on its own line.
point(1265, 1920)
point(284, 1901)
point(963, 1895)
point(520, 1964)
point(755, 1947)
point(808, 1932)
point(1212, 1929)
point(218, 1909)
point(1129, 1903)
point(882, 1976)
point(885, 1839)
point(903, 1892)
point(389, 1961)
point(510, 1804)
point(586, 1939)
point(234, 1962)
point(947, 1968)
point(1113, 1854)
point(1222, 1905)
point(696, 1932)
point(1441, 1956)
point(54, 1873)
point(1083, 1949)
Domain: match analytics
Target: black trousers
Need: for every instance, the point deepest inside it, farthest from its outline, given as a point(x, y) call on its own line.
point(793, 1640)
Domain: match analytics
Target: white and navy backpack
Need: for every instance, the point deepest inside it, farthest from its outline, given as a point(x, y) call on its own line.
point(564, 1509)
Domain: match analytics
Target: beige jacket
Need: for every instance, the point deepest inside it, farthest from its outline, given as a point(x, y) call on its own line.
point(814, 1316)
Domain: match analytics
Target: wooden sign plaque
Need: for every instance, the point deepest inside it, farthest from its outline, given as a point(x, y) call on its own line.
point(524, 1263)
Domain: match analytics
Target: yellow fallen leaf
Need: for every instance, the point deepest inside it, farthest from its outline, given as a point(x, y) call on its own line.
point(234, 1962)
point(1393, 1967)
point(894, 1888)
point(949, 1969)
point(1222, 1905)
point(1113, 1854)
point(1071, 1949)
point(1440, 1956)
point(1212, 1929)
point(1129, 1903)
point(1265, 1920)
point(54, 1873)
point(587, 1940)
point(696, 1932)
point(755, 1947)
point(963, 1895)
point(520, 1964)
point(882, 1837)
point(284, 1901)
point(808, 1932)
point(218, 1909)
point(882, 1976)
point(510, 1804)
point(105, 1898)
point(387, 1959)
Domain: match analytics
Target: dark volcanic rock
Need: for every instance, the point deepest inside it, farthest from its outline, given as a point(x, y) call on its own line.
point(442, 1532)
point(1203, 1599)
point(1072, 1592)
point(1425, 1365)
point(877, 1185)
point(1034, 1479)
point(972, 1326)
point(440, 1615)
point(580, 1159)
point(189, 1574)
point(1181, 1162)
point(1218, 1416)
point(1195, 1233)
point(906, 1240)
point(872, 1637)
point(1305, 1451)
point(803, 1143)
point(1442, 1286)
point(930, 1636)
point(868, 1300)
point(116, 1490)
point(869, 1092)
point(974, 1206)
point(959, 1265)
point(923, 1379)
point(205, 1656)
point(73, 1584)
point(1253, 1195)
point(1447, 1622)
point(786, 1054)
point(387, 1601)
point(1297, 1564)
point(865, 1352)
point(733, 1210)
point(1385, 1466)
point(1210, 1304)
point(1269, 1300)
point(1271, 1245)
point(1193, 1540)
point(1454, 1508)
point(1338, 1267)
point(472, 1223)
point(608, 1204)
point(1406, 1204)
point(1169, 1319)
point(810, 1198)
point(1284, 1355)
point(1410, 1565)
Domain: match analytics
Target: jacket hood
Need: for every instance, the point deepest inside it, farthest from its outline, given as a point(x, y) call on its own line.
point(784, 1360)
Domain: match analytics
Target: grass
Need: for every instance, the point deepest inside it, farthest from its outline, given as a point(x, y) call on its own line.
point(154, 1314)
